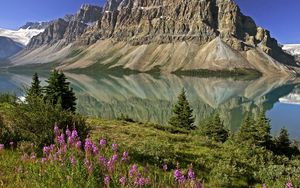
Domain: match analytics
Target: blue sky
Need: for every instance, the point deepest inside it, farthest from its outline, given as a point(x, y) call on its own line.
point(281, 17)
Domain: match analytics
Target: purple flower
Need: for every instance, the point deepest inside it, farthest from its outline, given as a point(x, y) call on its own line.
point(88, 145)
point(74, 134)
point(102, 160)
point(106, 180)
point(1, 147)
point(289, 184)
point(125, 156)
point(59, 152)
point(179, 177)
point(32, 156)
point(44, 160)
point(56, 130)
point(191, 174)
point(114, 158)
point(73, 161)
point(68, 132)
point(110, 165)
point(61, 139)
point(11, 143)
point(122, 181)
point(78, 145)
point(133, 170)
point(140, 181)
point(95, 149)
point(264, 186)
point(114, 147)
point(70, 140)
point(102, 142)
point(165, 167)
point(46, 150)
point(52, 146)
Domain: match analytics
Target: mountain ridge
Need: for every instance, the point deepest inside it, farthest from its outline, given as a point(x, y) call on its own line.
point(139, 25)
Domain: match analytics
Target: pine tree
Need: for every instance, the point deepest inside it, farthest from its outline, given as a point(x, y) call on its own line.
point(282, 142)
point(263, 129)
point(35, 89)
point(214, 129)
point(247, 132)
point(58, 91)
point(219, 132)
point(182, 113)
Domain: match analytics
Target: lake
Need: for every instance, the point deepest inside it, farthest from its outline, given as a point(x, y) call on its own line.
point(145, 97)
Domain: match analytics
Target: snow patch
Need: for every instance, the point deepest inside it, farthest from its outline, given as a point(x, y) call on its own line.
point(293, 49)
point(292, 98)
point(21, 36)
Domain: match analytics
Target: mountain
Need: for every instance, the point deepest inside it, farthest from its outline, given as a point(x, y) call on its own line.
point(293, 49)
point(36, 25)
point(8, 47)
point(68, 29)
point(21, 36)
point(166, 36)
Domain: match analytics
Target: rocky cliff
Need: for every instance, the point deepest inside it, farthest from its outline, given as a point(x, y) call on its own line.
point(165, 21)
point(68, 29)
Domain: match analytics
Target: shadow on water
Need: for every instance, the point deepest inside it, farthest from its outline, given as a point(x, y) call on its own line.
point(144, 97)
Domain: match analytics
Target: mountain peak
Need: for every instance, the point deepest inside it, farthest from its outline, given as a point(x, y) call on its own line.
point(35, 25)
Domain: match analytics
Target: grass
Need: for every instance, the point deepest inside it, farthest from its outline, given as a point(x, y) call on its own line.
point(151, 145)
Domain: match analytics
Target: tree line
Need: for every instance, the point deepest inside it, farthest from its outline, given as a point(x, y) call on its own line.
point(253, 132)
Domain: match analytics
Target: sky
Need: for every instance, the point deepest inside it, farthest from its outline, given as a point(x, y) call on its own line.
point(281, 17)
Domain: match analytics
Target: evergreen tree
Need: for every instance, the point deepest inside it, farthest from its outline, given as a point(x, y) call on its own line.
point(282, 142)
point(59, 91)
point(263, 129)
point(215, 129)
point(247, 132)
point(182, 113)
point(35, 89)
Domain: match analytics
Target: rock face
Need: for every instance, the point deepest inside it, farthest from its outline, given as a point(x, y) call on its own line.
point(165, 21)
point(8, 47)
point(68, 29)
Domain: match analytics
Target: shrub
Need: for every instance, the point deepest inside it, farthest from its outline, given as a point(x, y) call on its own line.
point(34, 120)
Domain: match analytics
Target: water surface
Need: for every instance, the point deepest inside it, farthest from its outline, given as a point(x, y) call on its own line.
point(145, 97)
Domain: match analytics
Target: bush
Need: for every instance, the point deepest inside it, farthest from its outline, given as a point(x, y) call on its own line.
point(34, 121)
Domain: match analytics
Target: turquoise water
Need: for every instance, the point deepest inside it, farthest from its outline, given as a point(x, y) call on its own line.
point(144, 97)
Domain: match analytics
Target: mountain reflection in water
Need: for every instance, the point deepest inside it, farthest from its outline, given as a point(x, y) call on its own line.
point(144, 97)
